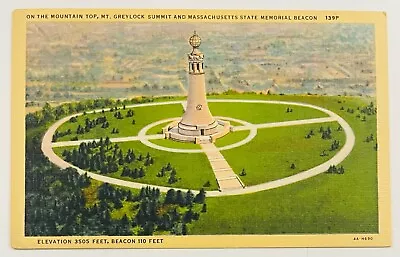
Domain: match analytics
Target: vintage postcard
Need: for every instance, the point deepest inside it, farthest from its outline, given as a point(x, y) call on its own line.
point(199, 129)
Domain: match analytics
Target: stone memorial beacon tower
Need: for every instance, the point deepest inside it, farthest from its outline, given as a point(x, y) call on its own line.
point(197, 124)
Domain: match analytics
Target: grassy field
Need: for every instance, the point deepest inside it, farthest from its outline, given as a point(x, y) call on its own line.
point(157, 129)
point(270, 154)
point(232, 137)
point(326, 203)
point(263, 113)
point(192, 176)
point(143, 116)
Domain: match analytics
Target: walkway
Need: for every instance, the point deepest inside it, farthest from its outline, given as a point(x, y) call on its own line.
point(335, 160)
point(285, 123)
point(226, 178)
point(112, 140)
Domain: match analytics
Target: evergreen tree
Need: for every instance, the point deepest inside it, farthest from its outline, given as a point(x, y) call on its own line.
point(142, 193)
point(189, 198)
point(207, 184)
point(135, 173)
point(170, 197)
point(117, 203)
point(187, 218)
point(201, 196)
point(179, 198)
point(177, 229)
point(184, 229)
point(125, 226)
point(204, 208)
point(172, 178)
point(161, 173)
point(141, 172)
point(107, 141)
point(129, 196)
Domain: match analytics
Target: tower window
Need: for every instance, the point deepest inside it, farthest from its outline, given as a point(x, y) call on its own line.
point(198, 66)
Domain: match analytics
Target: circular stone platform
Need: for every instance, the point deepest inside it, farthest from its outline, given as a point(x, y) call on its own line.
point(180, 132)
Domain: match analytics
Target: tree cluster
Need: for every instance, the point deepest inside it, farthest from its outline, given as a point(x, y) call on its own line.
point(369, 138)
point(49, 114)
point(335, 170)
point(133, 173)
point(150, 219)
point(168, 169)
point(55, 202)
point(118, 115)
point(106, 158)
point(310, 134)
point(130, 113)
point(335, 145)
point(89, 124)
point(369, 109)
point(364, 111)
point(326, 134)
point(59, 134)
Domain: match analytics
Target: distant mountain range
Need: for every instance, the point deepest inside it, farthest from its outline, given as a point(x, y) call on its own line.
point(70, 61)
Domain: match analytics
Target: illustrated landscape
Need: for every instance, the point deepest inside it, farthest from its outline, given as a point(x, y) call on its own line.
point(200, 129)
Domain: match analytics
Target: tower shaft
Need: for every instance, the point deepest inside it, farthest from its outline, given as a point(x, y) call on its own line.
point(197, 112)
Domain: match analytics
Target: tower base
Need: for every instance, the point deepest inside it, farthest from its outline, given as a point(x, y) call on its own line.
point(178, 131)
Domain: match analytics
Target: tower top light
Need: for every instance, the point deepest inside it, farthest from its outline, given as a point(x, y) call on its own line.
point(195, 40)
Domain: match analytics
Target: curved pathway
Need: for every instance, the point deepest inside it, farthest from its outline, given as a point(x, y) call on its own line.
point(338, 158)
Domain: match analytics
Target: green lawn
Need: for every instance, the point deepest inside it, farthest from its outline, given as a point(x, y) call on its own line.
point(263, 113)
point(270, 154)
point(234, 123)
point(143, 116)
point(326, 203)
point(193, 169)
point(175, 144)
point(232, 137)
point(157, 129)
